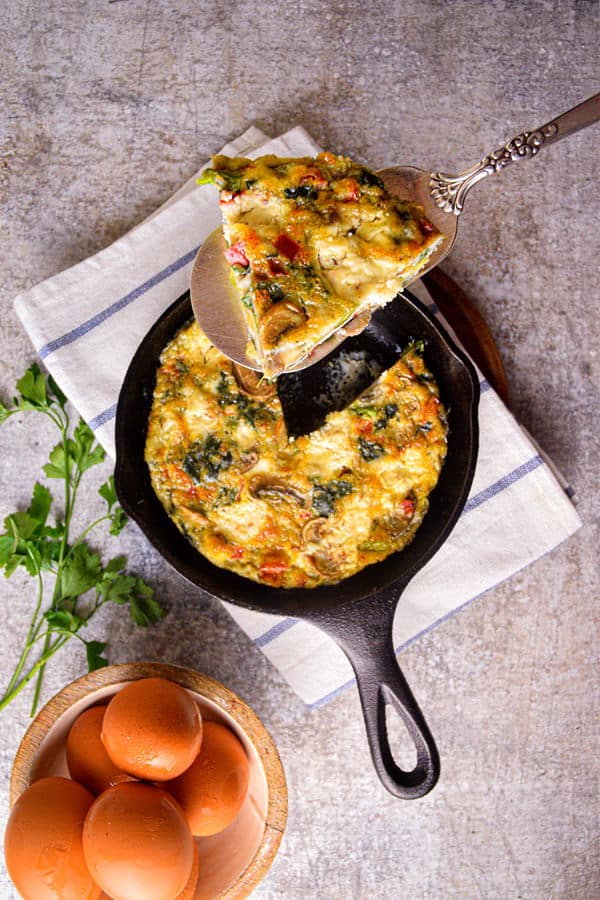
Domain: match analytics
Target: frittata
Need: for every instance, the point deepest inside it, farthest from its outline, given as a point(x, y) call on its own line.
point(314, 245)
point(291, 513)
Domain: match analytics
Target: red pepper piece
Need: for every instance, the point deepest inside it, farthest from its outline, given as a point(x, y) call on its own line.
point(408, 508)
point(287, 246)
point(276, 267)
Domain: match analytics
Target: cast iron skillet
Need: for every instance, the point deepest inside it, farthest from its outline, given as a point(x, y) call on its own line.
point(359, 611)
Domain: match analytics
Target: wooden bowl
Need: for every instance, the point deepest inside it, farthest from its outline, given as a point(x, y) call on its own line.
point(232, 862)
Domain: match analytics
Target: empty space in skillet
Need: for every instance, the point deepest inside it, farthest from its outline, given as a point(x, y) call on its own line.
point(394, 326)
point(331, 384)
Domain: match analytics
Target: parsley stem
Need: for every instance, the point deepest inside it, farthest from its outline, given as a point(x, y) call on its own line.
point(34, 626)
point(69, 501)
point(35, 669)
point(85, 533)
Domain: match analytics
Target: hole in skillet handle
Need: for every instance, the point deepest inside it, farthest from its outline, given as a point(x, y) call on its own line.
point(331, 384)
point(402, 746)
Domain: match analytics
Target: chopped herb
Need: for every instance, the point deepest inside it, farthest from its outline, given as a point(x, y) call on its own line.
point(325, 495)
point(181, 366)
point(206, 459)
point(377, 414)
point(274, 290)
point(226, 496)
point(370, 178)
point(231, 182)
point(241, 270)
point(249, 410)
point(370, 449)
point(302, 192)
point(367, 412)
point(388, 412)
point(225, 181)
point(247, 302)
point(417, 346)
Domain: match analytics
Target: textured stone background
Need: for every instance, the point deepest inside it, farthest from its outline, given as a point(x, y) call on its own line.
point(105, 108)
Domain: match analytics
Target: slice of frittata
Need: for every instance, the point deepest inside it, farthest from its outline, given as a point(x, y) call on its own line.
point(313, 244)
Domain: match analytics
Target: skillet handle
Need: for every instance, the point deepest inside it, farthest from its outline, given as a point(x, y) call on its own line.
point(364, 632)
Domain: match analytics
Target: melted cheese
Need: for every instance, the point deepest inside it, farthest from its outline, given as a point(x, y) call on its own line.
point(291, 513)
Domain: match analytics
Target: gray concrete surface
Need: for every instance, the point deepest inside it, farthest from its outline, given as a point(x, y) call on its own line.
point(106, 107)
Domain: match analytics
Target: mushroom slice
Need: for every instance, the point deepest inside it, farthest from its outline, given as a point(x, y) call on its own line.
point(398, 521)
point(248, 460)
point(372, 394)
point(278, 319)
point(312, 533)
point(325, 563)
point(268, 487)
point(251, 382)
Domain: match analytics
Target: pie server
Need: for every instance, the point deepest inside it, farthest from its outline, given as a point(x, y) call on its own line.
point(358, 612)
point(215, 298)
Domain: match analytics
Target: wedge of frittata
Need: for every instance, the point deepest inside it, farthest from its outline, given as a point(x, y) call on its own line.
point(313, 245)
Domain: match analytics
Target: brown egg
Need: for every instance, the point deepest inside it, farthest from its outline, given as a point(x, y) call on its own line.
point(152, 729)
point(87, 759)
point(137, 843)
point(211, 792)
point(43, 842)
point(189, 890)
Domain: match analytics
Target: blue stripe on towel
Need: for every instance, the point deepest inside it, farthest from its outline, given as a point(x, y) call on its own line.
point(482, 497)
point(274, 632)
point(449, 615)
point(100, 317)
point(498, 486)
point(103, 417)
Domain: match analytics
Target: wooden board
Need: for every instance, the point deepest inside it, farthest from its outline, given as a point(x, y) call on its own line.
point(470, 327)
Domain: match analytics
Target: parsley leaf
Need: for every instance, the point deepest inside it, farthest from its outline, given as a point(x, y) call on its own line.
point(107, 492)
point(32, 387)
point(143, 608)
point(60, 463)
point(56, 392)
point(63, 620)
point(118, 518)
point(41, 502)
point(95, 659)
point(86, 452)
point(80, 572)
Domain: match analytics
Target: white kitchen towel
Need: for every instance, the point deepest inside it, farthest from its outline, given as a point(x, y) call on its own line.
point(87, 322)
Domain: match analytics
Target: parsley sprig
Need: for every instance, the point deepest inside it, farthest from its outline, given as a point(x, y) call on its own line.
point(79, 583)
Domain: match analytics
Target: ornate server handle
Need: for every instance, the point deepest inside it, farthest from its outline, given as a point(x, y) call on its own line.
point(449, 191)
